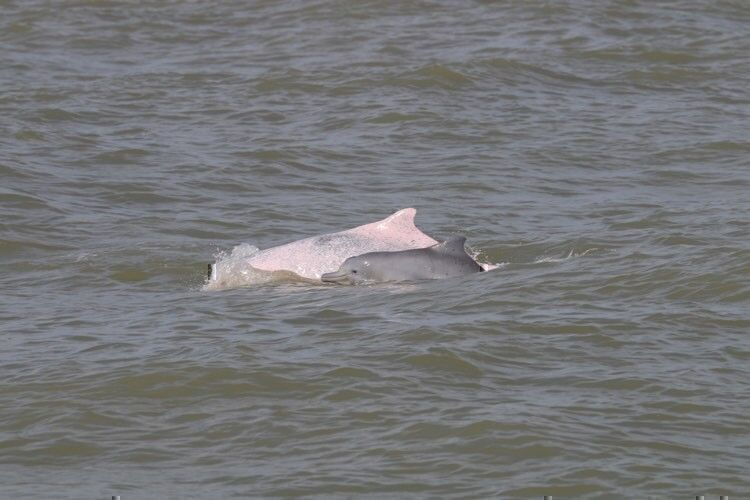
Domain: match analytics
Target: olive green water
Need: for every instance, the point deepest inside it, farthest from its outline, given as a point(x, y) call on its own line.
point(599, 150)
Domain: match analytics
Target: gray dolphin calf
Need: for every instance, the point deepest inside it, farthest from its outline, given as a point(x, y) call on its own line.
point(444, 260)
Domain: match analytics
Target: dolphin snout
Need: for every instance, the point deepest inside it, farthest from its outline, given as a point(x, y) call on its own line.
point(335, 277)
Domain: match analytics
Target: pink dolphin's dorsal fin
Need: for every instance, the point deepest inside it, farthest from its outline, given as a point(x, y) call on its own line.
point(403, 218)
point(395, 232)
point(400, 231)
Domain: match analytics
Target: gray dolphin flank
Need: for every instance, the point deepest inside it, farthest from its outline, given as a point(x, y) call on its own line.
point(444, 260)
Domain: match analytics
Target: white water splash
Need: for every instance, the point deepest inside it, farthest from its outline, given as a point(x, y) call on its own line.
point(231, 271)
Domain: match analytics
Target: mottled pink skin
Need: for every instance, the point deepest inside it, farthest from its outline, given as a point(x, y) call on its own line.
point(314, 256)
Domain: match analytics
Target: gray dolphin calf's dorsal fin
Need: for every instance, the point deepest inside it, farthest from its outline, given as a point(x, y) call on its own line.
point(453, 245)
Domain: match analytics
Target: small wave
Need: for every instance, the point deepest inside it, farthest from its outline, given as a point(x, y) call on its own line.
point(56, 115)
point(571, 254)
point(430, 76)
point(84, 256)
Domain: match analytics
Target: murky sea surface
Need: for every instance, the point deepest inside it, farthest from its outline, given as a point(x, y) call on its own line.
point(598, 151)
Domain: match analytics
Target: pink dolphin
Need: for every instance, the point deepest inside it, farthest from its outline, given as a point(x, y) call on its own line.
point(311, 257)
